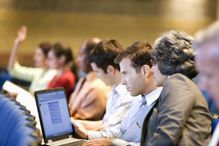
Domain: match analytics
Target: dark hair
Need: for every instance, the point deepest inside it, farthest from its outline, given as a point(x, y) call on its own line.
point(45, 48)
point(138, 53)
point(89, 45)
point(105, 53)
point(173, 52)
point(59, 51)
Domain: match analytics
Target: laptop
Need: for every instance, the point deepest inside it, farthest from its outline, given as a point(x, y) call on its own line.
point(56, 125)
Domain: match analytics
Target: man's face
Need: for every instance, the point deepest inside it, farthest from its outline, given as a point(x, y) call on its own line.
point(106, 77)
point(134, 81)
point(208, 65)
point(158, 77)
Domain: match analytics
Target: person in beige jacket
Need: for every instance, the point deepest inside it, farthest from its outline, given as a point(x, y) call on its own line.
point(88, 101)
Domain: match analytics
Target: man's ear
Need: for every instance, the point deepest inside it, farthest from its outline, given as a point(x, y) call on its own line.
point(110, 70)
point(146, 70)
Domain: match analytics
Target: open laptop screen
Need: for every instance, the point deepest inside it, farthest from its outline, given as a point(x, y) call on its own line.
point(54, 114)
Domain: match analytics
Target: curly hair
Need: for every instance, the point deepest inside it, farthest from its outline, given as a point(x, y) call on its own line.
point(173, 53)
point(139, 53)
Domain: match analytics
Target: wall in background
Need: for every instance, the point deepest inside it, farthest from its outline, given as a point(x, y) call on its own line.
point(73, 21)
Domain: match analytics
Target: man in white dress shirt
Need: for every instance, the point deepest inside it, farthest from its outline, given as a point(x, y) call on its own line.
point(119, 100)
point(135, 67)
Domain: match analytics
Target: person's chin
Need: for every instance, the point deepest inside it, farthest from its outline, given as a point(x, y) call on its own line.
point(133, 93)
point(158, 83)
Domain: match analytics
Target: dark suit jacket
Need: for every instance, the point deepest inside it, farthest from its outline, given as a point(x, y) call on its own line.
point(181, 116)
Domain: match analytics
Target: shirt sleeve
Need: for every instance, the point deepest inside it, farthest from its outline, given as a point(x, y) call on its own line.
point(119, 113)
point(110, 132)
point(24, 73)
point(120, 142)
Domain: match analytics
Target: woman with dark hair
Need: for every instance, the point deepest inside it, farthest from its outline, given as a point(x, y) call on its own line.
point(60, 58)
point(181, 115)
point(40, 75)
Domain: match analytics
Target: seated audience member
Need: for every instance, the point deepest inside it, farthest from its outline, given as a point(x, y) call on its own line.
point(88, 101)
point(207, 59)
point(181, 116)
point(135, 67)
point(40, 75)
point(60, 58)
point(119, 100)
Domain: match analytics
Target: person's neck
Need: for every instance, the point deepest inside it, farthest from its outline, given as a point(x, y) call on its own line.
point(62, 70)
point(117, 79)
point(91, 76)
point(152, 86)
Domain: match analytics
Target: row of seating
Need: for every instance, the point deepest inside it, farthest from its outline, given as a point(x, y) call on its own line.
point(18, 126)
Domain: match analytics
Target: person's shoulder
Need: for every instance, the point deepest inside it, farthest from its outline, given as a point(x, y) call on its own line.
point(178, 80)
point(51, 71)
point(68, 75)
point(180, 85)
point(98, 83)
point(178, 76)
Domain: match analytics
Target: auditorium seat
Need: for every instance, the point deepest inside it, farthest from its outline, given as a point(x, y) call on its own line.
point(16, 124)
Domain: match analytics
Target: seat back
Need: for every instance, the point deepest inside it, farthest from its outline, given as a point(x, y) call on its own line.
point(17, 124)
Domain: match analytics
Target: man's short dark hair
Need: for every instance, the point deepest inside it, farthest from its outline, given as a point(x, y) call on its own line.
point(138, 53)
point(173, 53)
point(105, 53)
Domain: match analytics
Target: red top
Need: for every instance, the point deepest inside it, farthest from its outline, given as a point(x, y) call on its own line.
point(66, 80)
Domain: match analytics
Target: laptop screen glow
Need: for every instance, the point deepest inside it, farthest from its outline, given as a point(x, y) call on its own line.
point(54, 114)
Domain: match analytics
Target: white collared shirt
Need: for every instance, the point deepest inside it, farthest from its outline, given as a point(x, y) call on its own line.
point(118, 103)
point(123, 128)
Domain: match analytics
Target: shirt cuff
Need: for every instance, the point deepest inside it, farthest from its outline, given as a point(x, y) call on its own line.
point(94, 135)
point(120, 142)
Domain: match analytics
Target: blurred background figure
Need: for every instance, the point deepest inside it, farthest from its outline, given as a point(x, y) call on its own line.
point(89, 98)
point(61, 58)
point(40, 75)
point(206, 43)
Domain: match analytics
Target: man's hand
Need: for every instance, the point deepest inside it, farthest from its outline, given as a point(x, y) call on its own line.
point(79, 129)
point(99, 142)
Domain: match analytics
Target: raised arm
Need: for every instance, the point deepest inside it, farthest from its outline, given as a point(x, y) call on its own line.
point(21, 36)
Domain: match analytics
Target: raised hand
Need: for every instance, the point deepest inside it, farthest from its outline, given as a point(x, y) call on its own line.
point(21, 34)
